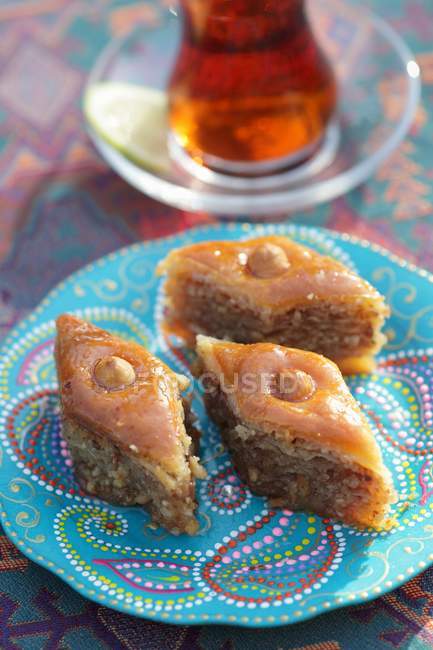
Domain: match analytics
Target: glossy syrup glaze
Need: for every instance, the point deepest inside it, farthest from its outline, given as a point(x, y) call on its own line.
point(329, 416)
point(308, 277)
point(144, 418)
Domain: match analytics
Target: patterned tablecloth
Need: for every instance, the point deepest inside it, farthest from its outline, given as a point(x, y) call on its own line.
point(62, 207)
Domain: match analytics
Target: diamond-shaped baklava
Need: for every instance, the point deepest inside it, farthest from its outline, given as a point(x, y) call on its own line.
point(273, 289)
point(130, 433)
point(295, 432)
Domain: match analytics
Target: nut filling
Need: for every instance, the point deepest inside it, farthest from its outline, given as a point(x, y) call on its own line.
point(114, 373)
point(293, 386)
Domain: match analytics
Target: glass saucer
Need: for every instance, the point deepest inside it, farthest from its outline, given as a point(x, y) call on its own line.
point(379, 84)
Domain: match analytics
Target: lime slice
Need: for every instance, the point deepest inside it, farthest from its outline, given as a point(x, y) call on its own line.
point(131, 118)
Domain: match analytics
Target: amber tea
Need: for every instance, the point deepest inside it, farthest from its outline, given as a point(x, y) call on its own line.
point(251, 88)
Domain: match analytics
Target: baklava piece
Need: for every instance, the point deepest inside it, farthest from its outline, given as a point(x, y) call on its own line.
point(296, 434)
point(273, 289)
point(130, 433)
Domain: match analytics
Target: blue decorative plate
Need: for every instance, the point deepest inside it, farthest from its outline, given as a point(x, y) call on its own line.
point(248, 565)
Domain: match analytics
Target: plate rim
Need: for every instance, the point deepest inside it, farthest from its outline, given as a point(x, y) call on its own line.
point(214, 619)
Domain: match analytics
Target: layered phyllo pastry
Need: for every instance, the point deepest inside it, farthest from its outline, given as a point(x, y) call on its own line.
point(273, 289)
point(130, 433)
point(296, 434)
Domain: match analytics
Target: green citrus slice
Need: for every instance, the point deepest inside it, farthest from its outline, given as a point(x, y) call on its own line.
point(131, 118)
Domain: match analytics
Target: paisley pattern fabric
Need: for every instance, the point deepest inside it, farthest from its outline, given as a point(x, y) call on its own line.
point(61, 208)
